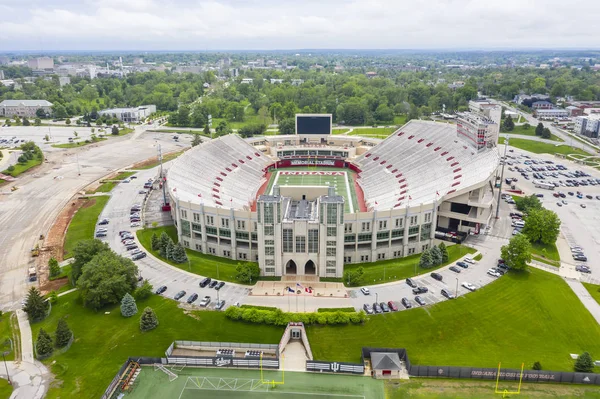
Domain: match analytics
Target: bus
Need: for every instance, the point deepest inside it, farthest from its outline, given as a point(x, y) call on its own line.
point(541, 184)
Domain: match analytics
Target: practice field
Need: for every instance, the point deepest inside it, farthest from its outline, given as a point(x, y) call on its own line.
point(340, 179)
point(231, 383)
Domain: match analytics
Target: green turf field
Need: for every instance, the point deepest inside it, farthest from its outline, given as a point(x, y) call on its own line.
point(332, 177)
point(232, 383)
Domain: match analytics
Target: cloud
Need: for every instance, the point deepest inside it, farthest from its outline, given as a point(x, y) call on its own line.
point(281, 24)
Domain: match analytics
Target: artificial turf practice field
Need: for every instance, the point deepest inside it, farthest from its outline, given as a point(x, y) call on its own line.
point(232, 383)
point(340, 179)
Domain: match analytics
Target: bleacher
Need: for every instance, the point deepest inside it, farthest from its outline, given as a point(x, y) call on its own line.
point(419, 161)
point(223, 172)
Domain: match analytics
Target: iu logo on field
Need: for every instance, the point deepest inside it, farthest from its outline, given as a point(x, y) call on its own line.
point(335, 367)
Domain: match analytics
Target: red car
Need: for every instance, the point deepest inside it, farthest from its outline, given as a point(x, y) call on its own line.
point(393, 306)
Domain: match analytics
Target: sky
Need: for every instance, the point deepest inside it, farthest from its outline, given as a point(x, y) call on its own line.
point(44, 25)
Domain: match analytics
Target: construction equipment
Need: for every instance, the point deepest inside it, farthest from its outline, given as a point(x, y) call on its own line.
point(36, 250)
point(32, 274)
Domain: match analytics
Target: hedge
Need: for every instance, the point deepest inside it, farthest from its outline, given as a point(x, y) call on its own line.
point(258, 307)
point(329, 310)
point(278, 317)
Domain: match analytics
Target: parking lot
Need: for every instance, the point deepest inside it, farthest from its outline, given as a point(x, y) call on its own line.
point(56, 134)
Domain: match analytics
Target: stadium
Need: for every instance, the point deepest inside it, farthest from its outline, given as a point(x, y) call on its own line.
point(308, 203)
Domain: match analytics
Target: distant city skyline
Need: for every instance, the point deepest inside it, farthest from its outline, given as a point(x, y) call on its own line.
point(179, 25)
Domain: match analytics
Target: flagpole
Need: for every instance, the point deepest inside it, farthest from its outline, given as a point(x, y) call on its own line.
point(296, 303)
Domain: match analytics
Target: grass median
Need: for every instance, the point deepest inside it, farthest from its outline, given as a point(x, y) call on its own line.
point(83, 224)
point(108, 186)
point(538, 147)
point(529, 131)
point(20, 168)
point(594, 291)
point(201, 264)
point(401, 268)
point(376, 132)
point(6, 336)
point(521, 317)
point(5, 389)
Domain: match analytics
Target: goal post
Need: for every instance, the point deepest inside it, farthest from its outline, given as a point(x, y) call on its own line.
point(272, 382)
point(506, 392)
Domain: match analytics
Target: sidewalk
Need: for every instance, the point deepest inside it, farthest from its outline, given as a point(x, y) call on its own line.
point(585, 298)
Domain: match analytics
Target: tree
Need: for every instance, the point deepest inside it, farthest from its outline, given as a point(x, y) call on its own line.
point(254, 129)
point(179, 255)
point(83, 252)
point(537, 366)
point(164, 242)
point(148, 321)
point(517, 254)
point(36, 306)
point(60, 112)
point(508, 124)
point(26, 122)
point(539, 129)
point(353, 278)
point(40, 113)
point(287, 126)
point(542, 225)
point(128, 306)
point(37, 122)
point(526, 204)
point(170, 249)
point(444, 251)
point(68, 121)
point(436, 255)
point(584, 363)
point(247, 272)
point(54, 267)
point(115, 130)
point(426, 260)
point(546, 134)
point(196, 140)
point(154, 242)
point(75, 133)
point(223, 129)
point(206, 130)
point(143, 292)
point(43, 344)
point(63, 334)
point(106, 278)
point(526, 126)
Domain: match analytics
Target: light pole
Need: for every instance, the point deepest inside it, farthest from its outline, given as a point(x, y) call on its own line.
point(5, 366)
point(376, 297)
point(501, 177)
point(456, 292)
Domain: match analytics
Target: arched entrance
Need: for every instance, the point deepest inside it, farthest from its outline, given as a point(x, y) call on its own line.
point(290, 267)
point(310, 268)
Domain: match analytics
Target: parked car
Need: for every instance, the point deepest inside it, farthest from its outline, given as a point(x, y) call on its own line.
point(100, 235)
point(583, 269)
point(436, 276)
point(101, 230)
point(455, 269)
point(411, 283)
point(469, 286)
point(446, 292)
point(392, 306)
point(365, 291)
point(213, 284)
point(420, 290)
point(420, 300)
point(142, 192)
point(179, 295)
point(192, 298)
point(160, 289)
point(406, 302)
point(103, 222)
point(463, 264)
point(138, 256)
point(468, 259)
point(131, 247)
point(220, 304)
point(493, 272)
point(376, 308)
point(384, 307)
point(367, 308)
point(219, 285)
point(205, 282)
point(205, 301)
point(582, 205)
point(580, 258)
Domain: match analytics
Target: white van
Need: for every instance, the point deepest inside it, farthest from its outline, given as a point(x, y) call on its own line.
point(520, 223)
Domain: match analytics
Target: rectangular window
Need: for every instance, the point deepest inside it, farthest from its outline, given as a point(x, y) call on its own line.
point(254, 237)
point(397, 233)
point(269, 262)
point(269, 250)
point(413, 230)
point(380, 256)
point(383, 235)
point(269, 242)
point(269, 270)
point(399, 222)
point(212, 251)
point(210, 221)
point(225, 223)
point(242, 255)
point(255, 226)
point(183, 214)
point(425, 231)
point(331, 243)
point(350, 238)
point(413, 220)
point(411, 251)
point(196, 227)
point(331, 251)
point(199, 247)
point(185, 228)
point(330, 267)
point(224, 233)
point(227, 254)
point(241, 225)
point(332, 213)
point(382, 224)
point(366, 226)
point(348, 228)
point(425, 247)
point(242, 235)
point(300, 244)
point(196, 217)
point(186, 243)
point(288, 240)
point(364, 258)
point(428, 218)
point(331, 231)
point(269, 230)
point(268, 214)
point(364, 237)
point(197, 236)
point(313, 241)
point(211, 230)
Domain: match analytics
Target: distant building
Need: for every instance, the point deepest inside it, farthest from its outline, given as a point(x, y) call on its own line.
point(64, 80)
point(276, 81)
point(456, 85)
point(542, 105)
point(591, 111)
point(297, 82)
point(247, 81)
point(4, 60)
point(551, 113)
point(481, 125)
point(521, 98)
point(24, 107)
point(371, 74)
point(588, 125)
point(1, 74)
point(131, 115)
point(574, 111)
point(138, 61)
point(41, 63)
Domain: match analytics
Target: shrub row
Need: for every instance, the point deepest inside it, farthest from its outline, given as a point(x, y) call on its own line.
point(278, 317)
point(258, 307)
point(329, 310)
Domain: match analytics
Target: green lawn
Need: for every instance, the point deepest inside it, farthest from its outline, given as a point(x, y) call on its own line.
point(400, 120)
point(202, 264)
point(77, 144)
point(377, 132)
point(520, 129)
point(594, 290)
point(6, 333)
point(521, 317)
point(104, 341)
point(543, 148)
point(108, 186)
point(83, 224)
point(166, 158)
point(23, 167)
point(478, 257)
point(401, 268)
point(5, 389)
point(546, 252)
point(339, 130)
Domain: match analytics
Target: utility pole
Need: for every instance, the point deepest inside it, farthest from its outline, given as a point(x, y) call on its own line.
point(501, 177)
point(6, 367)
point(456, 291)
point(162, 180)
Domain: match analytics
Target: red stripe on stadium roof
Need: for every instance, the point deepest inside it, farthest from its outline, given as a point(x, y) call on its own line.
point(411, 136)
point(229, 170)
point(218, 203)
point(240, 161)
point(429, 144)
point(443, 153)
point(382, 162)
point(436, 148)
point(389, 166)
point(216, 196)
point(223, 174)
point(216, 184)
point(234, 165)
point(457, 176)
point(421, 140)
point(219, 178)
point(401, 198)
point(450, 192)
point(249, 157)
point(403, 186)
point(257, 154)
point(455, 184)
point(402, 192)
point(375, 159)
point(367, 155)
point(215, 190)
point(449, 158)
point(456, 170)
point(400, 134)
point(398, 175)
point(394, 171)
point(453, 163)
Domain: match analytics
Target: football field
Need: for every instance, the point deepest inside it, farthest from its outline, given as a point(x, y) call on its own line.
point(340, 179)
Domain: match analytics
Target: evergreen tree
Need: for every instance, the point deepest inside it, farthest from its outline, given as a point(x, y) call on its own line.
point(115, 130)
point(196, 140)
point(426, 260)
point(584, 363)
point(170, 250)
point(43, 345)
point(546, 134)
point(206, 130)
point(508, 125)
point(164, 242)
point(155, 242)
point(148, 321)
point(539, 129)
point(35, 306)
point(444, 251)
point(54, 267)
point(179, 254)
point(436, 256)
point(128, 306)
point(63, 334)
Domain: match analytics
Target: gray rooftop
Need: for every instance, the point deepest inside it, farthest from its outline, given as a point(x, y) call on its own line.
point(27, 103)
point(332, 199)
point(269, 198)
point(385, 361)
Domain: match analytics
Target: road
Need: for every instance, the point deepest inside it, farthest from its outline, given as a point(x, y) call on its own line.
point(30, 211)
